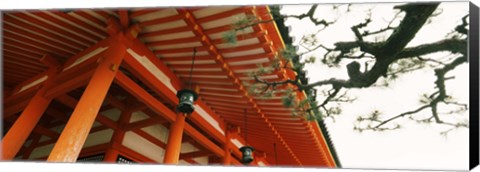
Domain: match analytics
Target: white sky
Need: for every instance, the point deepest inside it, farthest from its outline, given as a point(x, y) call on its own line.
point(415, 146)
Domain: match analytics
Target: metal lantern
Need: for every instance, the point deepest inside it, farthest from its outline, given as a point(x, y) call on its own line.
point(186, 98)
point(247, 154)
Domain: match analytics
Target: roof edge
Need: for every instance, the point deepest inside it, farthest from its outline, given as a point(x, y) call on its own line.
point(284, 33)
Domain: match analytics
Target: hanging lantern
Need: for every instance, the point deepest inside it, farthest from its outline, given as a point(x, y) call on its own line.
point(186, 98)
point(247, 154)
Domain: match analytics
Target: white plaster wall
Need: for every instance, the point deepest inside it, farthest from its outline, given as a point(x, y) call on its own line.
point(99, 137)
point(44, 138)
point(182, 162)
point(41, 151)
point(187, 147)
point(158, 131)
point(93, 139)
point(141, 145)
point(113, 114)
point(138, 116)
point(154, 152)
point(96, 124)
point(202, 160)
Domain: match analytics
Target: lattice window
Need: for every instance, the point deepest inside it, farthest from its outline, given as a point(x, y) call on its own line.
point(93, 158)
point(123, 160)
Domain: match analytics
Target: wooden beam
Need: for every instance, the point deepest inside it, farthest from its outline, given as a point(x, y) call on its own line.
point(69, 85)
point(123, 17)
point(190, 20)
point(29, 149)
point(76, 131)
point(160, 109)
point(131, 154)
point(49, 61)
point(111, 154)
point(115, 102)
point(150, 138)
point(23, 126)
point(195, 154)
point(45, 131)
point(161, 89)
point(145, 123)
point(72, 102)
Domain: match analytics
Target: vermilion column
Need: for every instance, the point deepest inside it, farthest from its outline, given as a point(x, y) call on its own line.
point(23, 126)
point(111, 155)
point(226, 148)
point(78, 126)
point(172, 152)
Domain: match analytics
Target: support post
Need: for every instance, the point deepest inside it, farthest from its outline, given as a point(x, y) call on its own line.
point(26, 122)
point(226, 148)
point(112, 153)
point(78, 126)
point(172, 153)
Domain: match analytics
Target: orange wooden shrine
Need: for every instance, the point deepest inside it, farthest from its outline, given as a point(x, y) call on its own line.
point(100, 85)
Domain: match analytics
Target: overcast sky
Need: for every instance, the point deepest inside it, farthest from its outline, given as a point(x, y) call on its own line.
point(415, 146)
point(418, 147)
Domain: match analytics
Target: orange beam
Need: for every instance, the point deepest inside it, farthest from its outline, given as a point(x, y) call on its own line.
point(78, 126)
point(37, 22)
point(90, 18)
point(145, 123)
point(264, 46)
point(189, 19)
point(164, 32)
point(45, 131)
point(71, 84)
point(123, 17)
point(313, 126)
point(23, 126)
point(115, 102)
point(18, 96)
point(24, 31)
point(34, 46)
point(195, 154)
point(226, 148)
point(160, 88)
point(29, 27)
point(72, 103)
point(150, 138)
point(160, 20)
point(12, 110)
point(143, 12)
point(159, 108)
point(65, 26)
point(137, 91)
point(29, 149)
point(49, 61)
point(191, 161)
point(96, 31)
point(173, 41)
point(242, 37)
point(111, 154)
point(131, 154)
point(50, 141)
point(224, 14)
point(93, 150)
